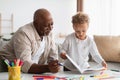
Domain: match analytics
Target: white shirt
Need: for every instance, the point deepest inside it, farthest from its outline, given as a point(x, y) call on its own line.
point(35, 57)
point(79, 51)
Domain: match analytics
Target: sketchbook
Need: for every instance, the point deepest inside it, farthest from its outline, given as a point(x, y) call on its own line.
point(87, 70)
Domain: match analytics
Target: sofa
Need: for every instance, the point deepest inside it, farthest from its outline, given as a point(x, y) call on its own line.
point(109, 48)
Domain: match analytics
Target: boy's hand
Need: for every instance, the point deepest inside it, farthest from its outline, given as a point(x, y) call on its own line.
point(63, 55)
point(53, 66)
point(104, 64)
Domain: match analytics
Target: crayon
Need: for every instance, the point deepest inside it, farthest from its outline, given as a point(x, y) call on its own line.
point(20, 63)
point(12, 64)
point(7, 62)
point(15, 62)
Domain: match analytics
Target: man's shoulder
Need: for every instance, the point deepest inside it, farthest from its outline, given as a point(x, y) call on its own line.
point(26, 28)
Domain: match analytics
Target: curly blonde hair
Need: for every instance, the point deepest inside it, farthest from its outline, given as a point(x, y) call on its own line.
point(80, 18)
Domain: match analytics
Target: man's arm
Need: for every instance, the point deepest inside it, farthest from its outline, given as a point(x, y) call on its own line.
point(51, 67)
point(37, 68)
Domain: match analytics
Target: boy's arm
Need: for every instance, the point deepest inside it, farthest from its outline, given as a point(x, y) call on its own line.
point(95, 53)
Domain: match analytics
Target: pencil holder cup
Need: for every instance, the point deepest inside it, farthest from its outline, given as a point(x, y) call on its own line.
point(14, 73)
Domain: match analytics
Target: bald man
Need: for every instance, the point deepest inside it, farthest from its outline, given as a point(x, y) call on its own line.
point(34, 45)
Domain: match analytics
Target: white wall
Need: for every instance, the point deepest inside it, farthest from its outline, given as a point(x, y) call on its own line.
point(62, 11)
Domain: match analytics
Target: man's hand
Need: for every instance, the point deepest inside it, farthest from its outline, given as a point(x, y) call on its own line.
point(53, 66)
point(63, 55)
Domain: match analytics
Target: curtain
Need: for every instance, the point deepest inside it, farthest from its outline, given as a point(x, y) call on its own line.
point(104, 16)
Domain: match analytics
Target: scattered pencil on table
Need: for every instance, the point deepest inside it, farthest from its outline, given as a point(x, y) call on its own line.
point(115, 70)
point(100, 76)
point(52, 77)
point(81, 78)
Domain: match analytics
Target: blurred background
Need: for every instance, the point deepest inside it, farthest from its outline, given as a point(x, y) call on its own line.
point(104, 15)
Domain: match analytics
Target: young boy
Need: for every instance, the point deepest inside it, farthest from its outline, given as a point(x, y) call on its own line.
point(78, 45)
